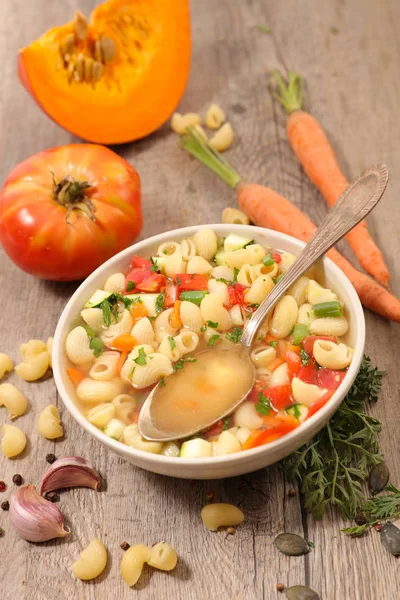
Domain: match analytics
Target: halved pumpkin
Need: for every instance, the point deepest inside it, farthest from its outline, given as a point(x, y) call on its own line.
point(117, 77)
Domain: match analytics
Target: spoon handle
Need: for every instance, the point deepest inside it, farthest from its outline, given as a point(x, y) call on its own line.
point(356, 202)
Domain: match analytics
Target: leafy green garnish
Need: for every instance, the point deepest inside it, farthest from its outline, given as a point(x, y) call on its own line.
point(141, 358)
point(234, 335)
point(162, 382)
point(377, 509)
point(203, 328)
point(213, 339)
point(235, 274)
point(106, 308)
point(273, 344)
point(181, 362)
point(263, 406)
point(333, 466)
point(160, 302)
point(226, 423)
point(277, 279)
point(155, 266)
point(212, 324)
point(250, 243)
point(172, 342)
point(96, 344)
point(304, 357)
point(130, 286)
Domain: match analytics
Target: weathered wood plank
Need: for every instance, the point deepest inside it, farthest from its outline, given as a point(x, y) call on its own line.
point(353, 88)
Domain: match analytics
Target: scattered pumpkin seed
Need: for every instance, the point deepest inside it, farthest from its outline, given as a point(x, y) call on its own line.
point(390, 538)
point(378, 477)
point(108, 49)
point(301, 592)
point(81, 26)
point(67, 46)
point(97, 51)
point(291, 544)
point(79, 72)
point(97, 70)
point(88, 68)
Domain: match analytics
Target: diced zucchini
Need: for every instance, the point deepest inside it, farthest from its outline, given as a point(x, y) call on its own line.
point(159, 261)
point(148, 300)
point(97, 298)
point(170, 449)
point(220, 258)
point(299, 411)
point(228, 444)
point(197, 448)
point(235, 242)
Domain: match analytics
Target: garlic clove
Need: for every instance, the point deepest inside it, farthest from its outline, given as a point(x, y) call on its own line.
point(34, 518)
point(70, 471)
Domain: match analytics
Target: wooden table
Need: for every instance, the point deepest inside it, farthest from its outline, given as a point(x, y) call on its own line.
point(349, 54)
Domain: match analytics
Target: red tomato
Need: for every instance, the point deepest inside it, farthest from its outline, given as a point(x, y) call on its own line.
point(215, 429)
point(141, 263)
point(43, 236)
point(134, 277)
point(278, 427)
point(308, 373)
point(330, 379)
point(293, 362)
point(319, 404)
point(308, 342)
point(280, 396)
point(258, 387)
point(191, 281)
point(277, 257)
point(154, 282)
point(170, 294)
point(236, 294)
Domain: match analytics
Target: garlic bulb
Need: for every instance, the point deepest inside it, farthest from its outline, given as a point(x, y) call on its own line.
point(35, 519)
point(69, 471)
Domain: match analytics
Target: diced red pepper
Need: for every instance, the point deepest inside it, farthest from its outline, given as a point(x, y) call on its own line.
point(236, 294)
point(279, 427)
point(191, 281)
point(319, 404)
point(308, 373)
point(277, 257)
point(308, 342)
point(171, 294)
point(280, 396)
point(154, 282)
point(329, 378)
point(141, 263)
point(293, 362)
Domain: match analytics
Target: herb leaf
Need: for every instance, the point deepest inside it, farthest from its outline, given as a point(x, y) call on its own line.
point(181, 362)
point(235, 335)
point(106, 308)
point(141, 358)
point(212, 324)
point(160, 302)
point(213, 339)
point(96, 344)
point(172, 342)
point(235, 274)
point(304, 357)
point(263, 406)
point(130, 286)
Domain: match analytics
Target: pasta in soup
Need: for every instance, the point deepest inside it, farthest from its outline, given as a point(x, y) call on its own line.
point(148, 323)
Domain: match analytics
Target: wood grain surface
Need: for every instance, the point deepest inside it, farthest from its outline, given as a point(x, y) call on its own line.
point(348, 51)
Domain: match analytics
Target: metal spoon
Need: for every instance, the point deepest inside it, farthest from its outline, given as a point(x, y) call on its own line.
point(354, 204)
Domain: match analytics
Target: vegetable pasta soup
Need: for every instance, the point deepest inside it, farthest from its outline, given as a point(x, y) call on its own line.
point(152, 321)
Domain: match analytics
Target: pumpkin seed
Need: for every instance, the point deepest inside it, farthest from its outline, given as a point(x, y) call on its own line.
point(97, 51)
point(390, 538)
point(67, 46)
point(108, 49)
point(79, 72)
point(97, 71)
point(81, 26)
point(88, 68)
point(291, 544)
point(378, 477)
point(301, 592)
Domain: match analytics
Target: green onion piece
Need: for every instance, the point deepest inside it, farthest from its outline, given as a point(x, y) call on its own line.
point(96, 344)
point(300, 331)
point(267, 261)
point(328, 309)
point(195, 296)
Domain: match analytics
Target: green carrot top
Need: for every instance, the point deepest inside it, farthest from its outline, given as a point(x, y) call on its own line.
point(291, 92)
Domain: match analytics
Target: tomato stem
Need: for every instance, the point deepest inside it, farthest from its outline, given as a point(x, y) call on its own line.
point(71, 194)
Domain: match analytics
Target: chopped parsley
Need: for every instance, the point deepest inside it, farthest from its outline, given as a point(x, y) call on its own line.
point(96, 344)
point(106, 308)
point(141, 358)
point(172, 342)
point(273, 344)
point(234, 335)
point(263, 406)
point(130, 286)
point(162, 382)
point(213, 339)
point(304, 357)
point(160, 302)
point(226, 424)
point(296, 412)
point(250, 243)
point(155, 267)
point(212, 324)
point(181, 362)
point(235, 274)
point(277, 279)
point(203, 328)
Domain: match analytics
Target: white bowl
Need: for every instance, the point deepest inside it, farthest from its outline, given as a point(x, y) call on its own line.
point(233, 464)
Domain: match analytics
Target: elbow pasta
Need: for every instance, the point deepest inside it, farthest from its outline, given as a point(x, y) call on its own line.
point(91, 562)
point(133, 562)
point(180, 123)
point(163, 557)
point(221, 515)
point(13, 441)
point(192, 295)
point(6, 364)
point(49, 424)
point(223, 138)
point(36, 360)
point(234, 216)
point(215, 117)
point(13, 399)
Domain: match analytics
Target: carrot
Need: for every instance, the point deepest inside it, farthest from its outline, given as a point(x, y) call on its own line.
point(75, 375)
point(316, 155)
point(120, 362)
point(175, 316)
point(138, 311)
point(292, 348)
point(267, 208)
point(123, 343)
point(277, 362)
point(283, 425)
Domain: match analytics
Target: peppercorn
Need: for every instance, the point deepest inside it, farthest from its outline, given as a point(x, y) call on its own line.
point(52, 496)
point(360, 519)
point(378, 527)
point(125, 546)
point(17, 479)
point(3, 486)
point(50, 458)
point(291, 492)
point(231, 530)
point(5, 505)
point(280, 587)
